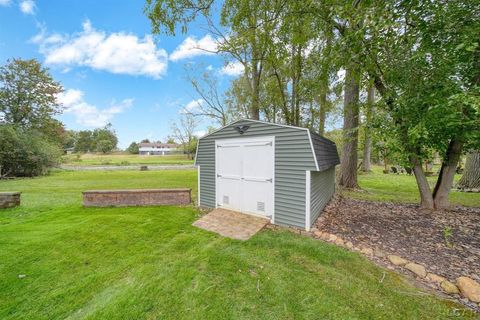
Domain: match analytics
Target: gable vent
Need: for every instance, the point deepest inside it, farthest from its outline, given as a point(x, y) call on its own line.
point(226, 199)
point(261, 206)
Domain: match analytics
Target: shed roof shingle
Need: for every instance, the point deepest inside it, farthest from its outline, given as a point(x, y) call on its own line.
point(325, 151)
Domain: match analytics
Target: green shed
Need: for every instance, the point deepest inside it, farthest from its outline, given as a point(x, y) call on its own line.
point(281, 172)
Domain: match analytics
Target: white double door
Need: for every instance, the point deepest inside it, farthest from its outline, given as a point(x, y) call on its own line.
point(245, 175)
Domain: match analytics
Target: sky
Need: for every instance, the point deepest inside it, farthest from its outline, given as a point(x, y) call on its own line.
point(112, 68)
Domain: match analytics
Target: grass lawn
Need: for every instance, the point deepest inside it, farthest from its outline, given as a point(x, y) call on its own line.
point(123, 159)
point(151, 263)
point(378, 186)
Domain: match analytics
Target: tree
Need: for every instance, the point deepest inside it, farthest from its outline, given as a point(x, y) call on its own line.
point(250, 25)
point(84, 141)
point(133, 148)
point(104, 134)
point(212, 103)
point(30, 138)
point(145, 141)
point(105, 146)
point(349, 156)
point(428, 77)
point(69, 139)
point(471, 175)
point(367, 146)
point(183, 132)
point(28, 95)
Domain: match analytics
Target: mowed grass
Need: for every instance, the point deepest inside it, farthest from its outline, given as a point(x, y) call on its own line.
point(377, 186)
point(151, 263)
point(123, 159)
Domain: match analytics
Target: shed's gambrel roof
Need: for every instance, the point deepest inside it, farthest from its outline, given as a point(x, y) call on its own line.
point(325, 150)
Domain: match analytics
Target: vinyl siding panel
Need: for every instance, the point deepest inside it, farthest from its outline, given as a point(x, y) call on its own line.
point(293, 156)
point(322, 188)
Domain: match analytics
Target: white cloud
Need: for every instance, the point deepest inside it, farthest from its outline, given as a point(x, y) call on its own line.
point(5, 3)
point(232, 69)
point(191, 47)
point(192, 106)
point(200, 133)
point(27, 6)
point(118, 53)
point(89, 115)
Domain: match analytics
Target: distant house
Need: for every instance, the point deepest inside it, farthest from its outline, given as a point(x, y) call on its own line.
point(159, 149)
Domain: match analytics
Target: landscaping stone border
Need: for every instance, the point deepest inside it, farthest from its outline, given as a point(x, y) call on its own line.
point(462, 286)
point(464, 289)
point(9, 199)
point(141, 197)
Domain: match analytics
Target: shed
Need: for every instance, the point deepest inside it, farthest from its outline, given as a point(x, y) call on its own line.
point(281, 172)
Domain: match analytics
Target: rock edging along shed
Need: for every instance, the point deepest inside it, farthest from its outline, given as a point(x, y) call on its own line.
point(281, 172)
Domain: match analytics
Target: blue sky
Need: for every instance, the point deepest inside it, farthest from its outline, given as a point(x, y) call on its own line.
point(112, 68)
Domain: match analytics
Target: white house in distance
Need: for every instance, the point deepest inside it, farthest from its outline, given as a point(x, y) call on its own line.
point(159, 149)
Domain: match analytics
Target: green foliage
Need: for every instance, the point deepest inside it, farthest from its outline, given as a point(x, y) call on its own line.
point(25, 153)
point(84, 141)
point(104, 134)
point(104, 146)
point(428, 71)
point(28, 98)
point(69, 139)
point(133, 148)
point(192, 146)
point(101, 139)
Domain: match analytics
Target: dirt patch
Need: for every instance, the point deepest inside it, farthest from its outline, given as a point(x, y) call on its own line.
point(446, 242)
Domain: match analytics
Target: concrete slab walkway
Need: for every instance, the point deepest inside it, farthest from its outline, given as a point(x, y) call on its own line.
point(231, 224)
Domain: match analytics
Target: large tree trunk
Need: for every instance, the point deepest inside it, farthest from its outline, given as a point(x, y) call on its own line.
point(322, 115)
point(324, 85)
point(367, 147)
point(256, 71)
point(348, 167)
point(322, 103)
point(426, 198)
point(471, 175)
point(255, 108)
point(447, 173)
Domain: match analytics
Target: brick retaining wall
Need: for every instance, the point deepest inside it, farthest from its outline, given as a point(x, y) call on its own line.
point(9, 199)
point(145, 197)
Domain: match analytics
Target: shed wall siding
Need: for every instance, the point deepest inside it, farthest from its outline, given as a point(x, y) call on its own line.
point(293, 156)
point(322, 186)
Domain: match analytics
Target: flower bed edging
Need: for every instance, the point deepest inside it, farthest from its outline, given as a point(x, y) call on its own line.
point(464, 286)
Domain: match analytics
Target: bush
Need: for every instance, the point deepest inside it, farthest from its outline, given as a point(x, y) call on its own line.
point(25, 154)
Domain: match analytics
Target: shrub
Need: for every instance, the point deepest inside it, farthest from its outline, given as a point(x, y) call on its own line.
point(25, 153)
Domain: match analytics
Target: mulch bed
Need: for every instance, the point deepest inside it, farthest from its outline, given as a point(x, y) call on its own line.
point(411, 233)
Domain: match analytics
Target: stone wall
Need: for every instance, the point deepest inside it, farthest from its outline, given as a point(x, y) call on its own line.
point(9, 199)
point(145, 197)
